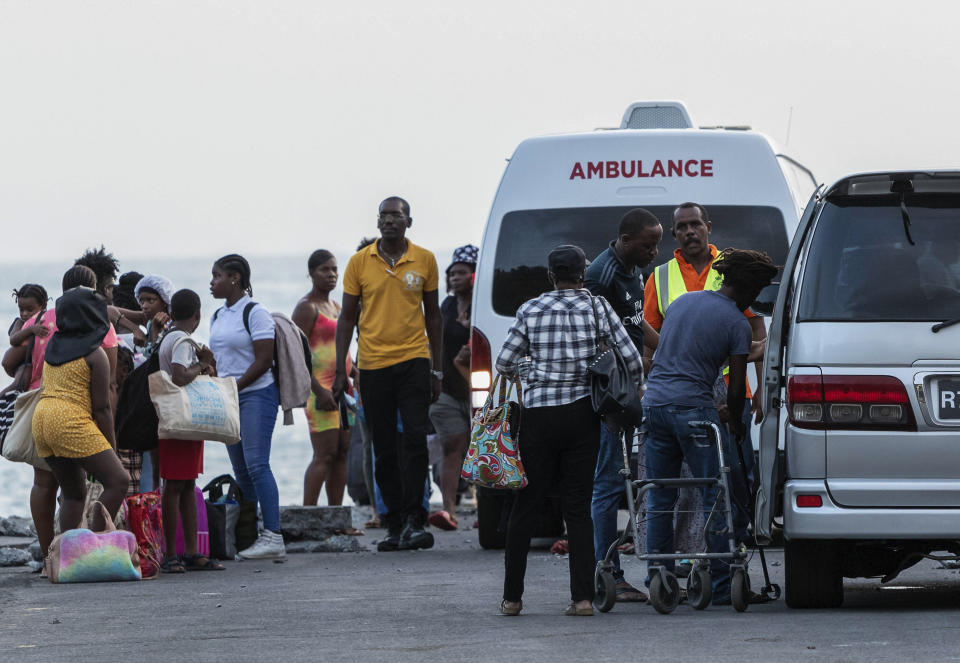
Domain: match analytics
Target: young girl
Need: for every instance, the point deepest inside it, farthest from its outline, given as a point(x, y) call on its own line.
point(316, 315)
point(181, 461)
point(244, 351)
point(31, 299)
point(153, 292)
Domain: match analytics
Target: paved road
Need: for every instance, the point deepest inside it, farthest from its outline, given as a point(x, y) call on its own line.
point(441, 605)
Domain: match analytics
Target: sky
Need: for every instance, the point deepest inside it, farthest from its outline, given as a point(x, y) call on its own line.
point(201, 128)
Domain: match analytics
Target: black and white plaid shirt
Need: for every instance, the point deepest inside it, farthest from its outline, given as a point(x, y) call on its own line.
point(557, 330)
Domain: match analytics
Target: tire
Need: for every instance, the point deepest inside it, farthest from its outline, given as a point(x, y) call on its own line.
point(813, 576)
point(606, 591)
point(664, 592)
point(739, 591)
point(489, 511)
point(699, 589)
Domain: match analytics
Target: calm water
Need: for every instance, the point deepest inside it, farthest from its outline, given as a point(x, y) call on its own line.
point(278, 283)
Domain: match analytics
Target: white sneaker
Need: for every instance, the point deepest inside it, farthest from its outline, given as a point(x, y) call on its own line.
point(269, 545)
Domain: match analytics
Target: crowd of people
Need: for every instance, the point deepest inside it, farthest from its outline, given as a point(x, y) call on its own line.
point(686, 336)
point(81, 351)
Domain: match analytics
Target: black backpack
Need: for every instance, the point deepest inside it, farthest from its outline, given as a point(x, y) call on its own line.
point(136, 421)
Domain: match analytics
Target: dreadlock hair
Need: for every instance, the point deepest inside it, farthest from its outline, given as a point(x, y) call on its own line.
point(745, 270)
point(238, 265)
point(79, 275)
point(317, 258)
point(103, 264)
point(365, 242)
point(32, 291)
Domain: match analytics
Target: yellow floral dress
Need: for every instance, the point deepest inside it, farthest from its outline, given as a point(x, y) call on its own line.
point(63, 422)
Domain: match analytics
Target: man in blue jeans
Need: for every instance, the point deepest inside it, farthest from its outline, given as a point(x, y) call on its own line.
point(615, 275)
point(701, 332)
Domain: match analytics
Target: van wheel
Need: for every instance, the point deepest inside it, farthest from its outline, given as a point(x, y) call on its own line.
point(489, 511)
point(813, 574)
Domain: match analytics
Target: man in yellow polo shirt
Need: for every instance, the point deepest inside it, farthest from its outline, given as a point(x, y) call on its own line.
point(392, 284)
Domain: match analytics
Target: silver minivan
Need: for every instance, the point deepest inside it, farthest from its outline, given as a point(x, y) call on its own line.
point(860, 444)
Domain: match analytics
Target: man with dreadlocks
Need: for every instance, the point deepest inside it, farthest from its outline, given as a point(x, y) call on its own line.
point(701, 332)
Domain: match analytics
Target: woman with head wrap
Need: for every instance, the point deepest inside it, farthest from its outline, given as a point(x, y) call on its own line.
point(450, 414)
point(43, 495)
point(73, 422)
point(153, 292)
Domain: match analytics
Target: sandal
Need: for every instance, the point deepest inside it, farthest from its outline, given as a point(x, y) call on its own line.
point(573, 611)
point(511, 611)
point(172, 564)
point(373, 523)
point(200, 562)
point(443, 520)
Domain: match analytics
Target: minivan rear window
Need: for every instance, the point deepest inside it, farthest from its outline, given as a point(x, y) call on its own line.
point(526, 237)
point(861, 265)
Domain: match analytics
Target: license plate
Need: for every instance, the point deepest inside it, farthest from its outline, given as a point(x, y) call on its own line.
point(949, 405)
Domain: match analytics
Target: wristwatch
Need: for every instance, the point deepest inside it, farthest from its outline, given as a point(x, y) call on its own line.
point(437, 374)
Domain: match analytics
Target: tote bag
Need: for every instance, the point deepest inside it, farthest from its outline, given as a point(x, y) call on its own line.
point(18, 445)
point(81, 555)
point(493, 458)
point(206, 409)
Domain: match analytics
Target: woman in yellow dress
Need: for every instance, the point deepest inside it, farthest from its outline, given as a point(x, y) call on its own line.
point(73, 422)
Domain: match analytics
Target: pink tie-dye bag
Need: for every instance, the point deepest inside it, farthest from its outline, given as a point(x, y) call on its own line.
point(81, 555)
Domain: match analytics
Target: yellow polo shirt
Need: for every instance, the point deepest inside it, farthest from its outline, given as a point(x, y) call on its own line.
point(392, 326)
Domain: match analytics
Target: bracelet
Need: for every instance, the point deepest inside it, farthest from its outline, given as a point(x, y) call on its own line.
point(119, 318)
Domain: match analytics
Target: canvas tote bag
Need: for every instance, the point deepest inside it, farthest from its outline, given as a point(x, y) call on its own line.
point(18, 445)
point(206, 409)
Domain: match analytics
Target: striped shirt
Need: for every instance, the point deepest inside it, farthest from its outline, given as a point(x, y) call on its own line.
point(557, 331)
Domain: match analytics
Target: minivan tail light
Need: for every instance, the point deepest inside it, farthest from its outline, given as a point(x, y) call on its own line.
point(849, 402)
point(480, 367)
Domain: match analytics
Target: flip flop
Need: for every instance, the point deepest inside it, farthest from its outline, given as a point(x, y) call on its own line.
point(442, 520)
point(373, 523)
point(560, 547)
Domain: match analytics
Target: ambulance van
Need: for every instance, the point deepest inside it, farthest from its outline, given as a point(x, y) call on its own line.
point(573, 189)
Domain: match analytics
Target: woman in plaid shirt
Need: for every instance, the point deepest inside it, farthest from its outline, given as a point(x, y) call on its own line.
point(560, 432)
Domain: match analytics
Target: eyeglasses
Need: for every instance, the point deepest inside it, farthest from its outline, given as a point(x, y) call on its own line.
point(392, 215)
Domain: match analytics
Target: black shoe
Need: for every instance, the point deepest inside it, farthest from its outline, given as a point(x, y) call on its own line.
point(390, 543)
point(414, 537)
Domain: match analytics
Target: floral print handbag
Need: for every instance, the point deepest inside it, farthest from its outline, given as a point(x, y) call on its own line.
point(493, 458)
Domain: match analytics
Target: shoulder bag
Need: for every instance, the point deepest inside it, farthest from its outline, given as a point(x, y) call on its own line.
point(81, 555)
point(613, 393)
point(493, 458)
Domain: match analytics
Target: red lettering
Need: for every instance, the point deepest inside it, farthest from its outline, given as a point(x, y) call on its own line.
point(691, 173)
point(577, 171)
point(640, 172)
point(623, 168)
point(594, 169)
point(675, 168)
point(613, 170)
point(706, 168)
point(657, 169)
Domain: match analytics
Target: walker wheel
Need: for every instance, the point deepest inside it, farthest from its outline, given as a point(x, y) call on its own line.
point(664, 592)
point(605, 591)
point(739, 590)
point(699, 589)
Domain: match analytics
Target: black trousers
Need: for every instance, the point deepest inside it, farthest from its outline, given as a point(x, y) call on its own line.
point(558, 447)
point(401, 458)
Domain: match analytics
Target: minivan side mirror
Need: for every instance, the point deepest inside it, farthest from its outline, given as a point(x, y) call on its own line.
point(765, 301)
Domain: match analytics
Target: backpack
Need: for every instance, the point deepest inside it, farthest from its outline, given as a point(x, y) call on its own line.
point(279, 319)
point(136, 421)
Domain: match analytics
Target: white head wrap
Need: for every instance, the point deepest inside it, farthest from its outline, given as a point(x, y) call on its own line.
point(159, 284)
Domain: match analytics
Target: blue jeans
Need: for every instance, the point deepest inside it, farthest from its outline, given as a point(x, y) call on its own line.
point(378, 498)
point(608, 488)
point(250, 457)
point(741, 483)
point(670, 440)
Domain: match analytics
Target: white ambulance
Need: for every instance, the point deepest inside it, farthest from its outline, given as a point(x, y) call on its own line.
point(573, 189)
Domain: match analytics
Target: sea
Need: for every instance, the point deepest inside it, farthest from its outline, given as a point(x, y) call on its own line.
point(278, 283)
